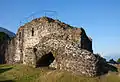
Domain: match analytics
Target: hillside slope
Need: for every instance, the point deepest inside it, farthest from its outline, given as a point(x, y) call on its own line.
point(9, 33)
point(3, 36)
point(21, 73)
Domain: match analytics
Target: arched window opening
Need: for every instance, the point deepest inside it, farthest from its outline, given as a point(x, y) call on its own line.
point(32, 31)
point(19, 36)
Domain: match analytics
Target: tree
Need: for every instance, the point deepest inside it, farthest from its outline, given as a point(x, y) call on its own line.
point(112, 61)
point(118, 60)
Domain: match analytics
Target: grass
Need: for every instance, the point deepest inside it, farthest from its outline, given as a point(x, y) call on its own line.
point(22, 73)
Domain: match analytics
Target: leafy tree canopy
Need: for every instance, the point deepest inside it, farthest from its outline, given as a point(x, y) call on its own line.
point(118, 60)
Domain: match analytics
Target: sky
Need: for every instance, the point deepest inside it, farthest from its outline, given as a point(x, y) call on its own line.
point(99, 18)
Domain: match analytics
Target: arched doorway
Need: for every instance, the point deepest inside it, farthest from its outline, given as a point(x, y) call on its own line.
point(45, 60)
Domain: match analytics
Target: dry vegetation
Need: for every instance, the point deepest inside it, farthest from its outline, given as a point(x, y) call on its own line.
point(21, 73)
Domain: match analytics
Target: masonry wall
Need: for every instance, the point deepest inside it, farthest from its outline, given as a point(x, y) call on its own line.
point(10, 51)
point(70, 46)
point(31, 33)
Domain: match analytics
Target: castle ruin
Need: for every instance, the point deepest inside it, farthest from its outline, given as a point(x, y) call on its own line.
point(48, 42)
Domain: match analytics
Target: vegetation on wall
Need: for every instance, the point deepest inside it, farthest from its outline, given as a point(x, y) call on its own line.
point(118, 60)
point(3, 36)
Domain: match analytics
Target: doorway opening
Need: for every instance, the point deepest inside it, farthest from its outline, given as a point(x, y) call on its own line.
point(45, 60)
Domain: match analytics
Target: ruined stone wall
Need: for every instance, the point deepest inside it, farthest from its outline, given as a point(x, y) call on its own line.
point(68, 56)
point(31, 33)
point(44, 35)
point(10, 51)
point(18, 50)
point(82, 63)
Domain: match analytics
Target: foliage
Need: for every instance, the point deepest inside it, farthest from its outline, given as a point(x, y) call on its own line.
point(3, 36)
point(112, 61)
point(118, 60)
point(54, 53)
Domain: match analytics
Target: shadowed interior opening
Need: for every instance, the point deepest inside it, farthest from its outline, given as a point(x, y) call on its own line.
point(45, 60)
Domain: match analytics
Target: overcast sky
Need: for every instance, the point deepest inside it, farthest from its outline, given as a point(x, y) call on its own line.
point(99, 18)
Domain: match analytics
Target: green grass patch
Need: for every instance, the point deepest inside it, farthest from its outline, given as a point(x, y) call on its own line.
point(22, 73)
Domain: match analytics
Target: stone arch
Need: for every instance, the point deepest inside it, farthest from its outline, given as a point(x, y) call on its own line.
point(45, 60)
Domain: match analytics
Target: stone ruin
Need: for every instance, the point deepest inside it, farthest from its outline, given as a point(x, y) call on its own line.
point(48, 42)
